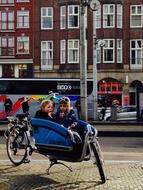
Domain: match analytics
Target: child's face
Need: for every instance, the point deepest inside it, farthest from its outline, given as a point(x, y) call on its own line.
point(48, 108)
point(63, 107)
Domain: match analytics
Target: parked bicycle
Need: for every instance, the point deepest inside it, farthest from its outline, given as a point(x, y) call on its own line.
point(53, 140)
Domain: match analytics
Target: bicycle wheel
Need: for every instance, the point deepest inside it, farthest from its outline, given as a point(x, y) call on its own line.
point(17, 143)
point(99, 160)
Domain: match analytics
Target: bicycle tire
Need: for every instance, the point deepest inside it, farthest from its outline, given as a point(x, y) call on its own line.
point(17, 143)
point(99, 162)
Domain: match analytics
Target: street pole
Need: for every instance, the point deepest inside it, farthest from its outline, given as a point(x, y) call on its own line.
point(83, 63)
point(95, 90)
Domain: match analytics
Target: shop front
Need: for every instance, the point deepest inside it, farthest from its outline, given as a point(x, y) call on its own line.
point(110, 89)
point(16, 68)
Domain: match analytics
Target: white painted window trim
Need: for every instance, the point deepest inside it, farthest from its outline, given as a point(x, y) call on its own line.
point(108, 13)
point(62, 51)
point(119, 15)
point(121, 50)
point(21, 38)
point(97, 18)
point(136, 57)
point(141, 14)
point(47, 67)
point(76, 14)
point(22, 13)
point(62, 17)
point(73, 48)
point(112, 48)
point(42, 28)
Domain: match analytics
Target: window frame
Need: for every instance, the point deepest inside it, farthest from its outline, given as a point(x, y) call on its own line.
point(7, 47)
point(136, 50)
point(108, 13)
point(119, 15)
point(62, 51)
point(73, 49)
point(7, 20)
point(47, 50)
point(62, 18)
point(21, 39)
point(109, 48)
point(119, 49)
point(7, 2)
point(47, 16)
point(97, 16)
point(136, 14)
point(73, 15)
point(19, 14)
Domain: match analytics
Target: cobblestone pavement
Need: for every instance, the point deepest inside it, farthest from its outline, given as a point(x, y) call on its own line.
point(33, 176)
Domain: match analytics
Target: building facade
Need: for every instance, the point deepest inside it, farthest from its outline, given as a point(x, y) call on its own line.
point(119, 61)
point(57, 36)
point(41, 38)
point(16, 38)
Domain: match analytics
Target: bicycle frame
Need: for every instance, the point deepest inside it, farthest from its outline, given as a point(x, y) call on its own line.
point(53, 140)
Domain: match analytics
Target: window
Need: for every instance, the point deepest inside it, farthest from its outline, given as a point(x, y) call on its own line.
point(97, 18)
point(23, 1)
point(73, 51)
point(108, 16)
point(47, 18)
point(63, 17)
point(23, 19)
point(136, 18)
point(119, 16)
point(63, 51)
point(119, 51)
point(46, 55)
point(23, 45)
point(136, 54)
point(7, 20)
point(6, 46)
point(73, 16)
point(108, 51)
point(6, 1)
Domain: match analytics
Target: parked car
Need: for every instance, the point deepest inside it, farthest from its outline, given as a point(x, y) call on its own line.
point(124, 113)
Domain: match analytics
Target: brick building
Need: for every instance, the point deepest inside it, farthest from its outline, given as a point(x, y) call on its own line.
point(55, 49)
point(58, 39)
point(16, 38)
point(119, 62)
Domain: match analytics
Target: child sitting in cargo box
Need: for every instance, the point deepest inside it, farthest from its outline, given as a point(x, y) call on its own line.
point(66, 117)
point(46, 111)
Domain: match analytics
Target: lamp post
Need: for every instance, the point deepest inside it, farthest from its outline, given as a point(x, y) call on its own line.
point(94, 5)
point(83, 62)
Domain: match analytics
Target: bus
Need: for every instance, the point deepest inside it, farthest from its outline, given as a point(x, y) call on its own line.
point(37, 90)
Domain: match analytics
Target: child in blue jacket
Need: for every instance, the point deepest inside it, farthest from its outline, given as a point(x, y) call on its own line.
point(66, 117)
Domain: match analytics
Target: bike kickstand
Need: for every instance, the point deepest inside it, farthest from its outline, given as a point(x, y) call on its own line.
point(53, 163)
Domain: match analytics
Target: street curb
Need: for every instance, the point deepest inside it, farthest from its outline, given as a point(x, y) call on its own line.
point(120, 134)
point(115, 123)
point(111, 133)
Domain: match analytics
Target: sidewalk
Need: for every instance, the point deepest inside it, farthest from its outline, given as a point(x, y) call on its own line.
point(84, 176)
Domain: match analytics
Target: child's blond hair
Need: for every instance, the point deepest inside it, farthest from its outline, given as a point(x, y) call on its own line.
point(45, 103)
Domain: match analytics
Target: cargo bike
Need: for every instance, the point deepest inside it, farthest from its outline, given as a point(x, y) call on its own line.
point(53, 140)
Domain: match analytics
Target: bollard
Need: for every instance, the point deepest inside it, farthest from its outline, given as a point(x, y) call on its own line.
point(113, 113)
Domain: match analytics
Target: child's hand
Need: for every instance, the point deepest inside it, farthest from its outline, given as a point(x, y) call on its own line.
point(72, 125)
point(61, 115)
point(50, 113)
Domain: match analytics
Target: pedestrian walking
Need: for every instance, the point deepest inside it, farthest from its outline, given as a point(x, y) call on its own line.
point(25, 105)
point(78, 107)
point(8, 105)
